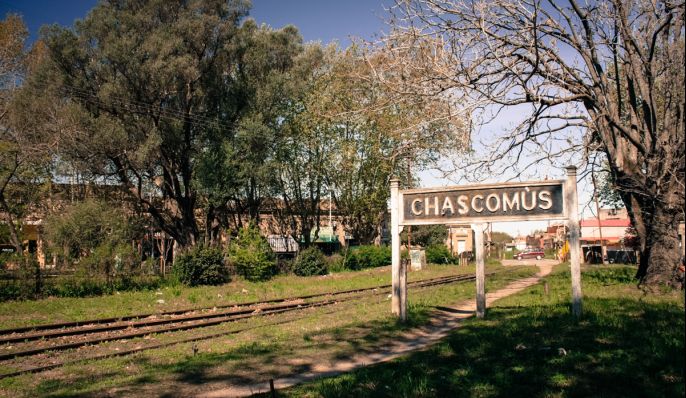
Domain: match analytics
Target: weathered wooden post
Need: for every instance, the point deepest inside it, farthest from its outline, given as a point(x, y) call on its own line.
point(404, 265)
point(397, 304)
point(480, 274)
point(571, 208)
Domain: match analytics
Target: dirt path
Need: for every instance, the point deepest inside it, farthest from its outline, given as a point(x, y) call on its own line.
point(443, 322)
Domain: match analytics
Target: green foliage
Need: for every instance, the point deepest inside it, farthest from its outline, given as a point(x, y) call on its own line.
point(95, 233)
point(80, 285)
point(335, 263)
point(426, 235)
point(501, 237)
point(25, 283)
point(251, 255)
point(439, 254)
point(31, 282)
point(201, 266)
point(161, 46)
point(368, 256)
point(309, 262)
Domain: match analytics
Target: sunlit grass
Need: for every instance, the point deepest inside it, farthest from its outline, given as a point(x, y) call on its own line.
point(50, 310)
point(626, 344)
point(273, 346)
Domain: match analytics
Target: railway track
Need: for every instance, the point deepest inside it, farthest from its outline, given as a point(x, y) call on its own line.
point(49, 338)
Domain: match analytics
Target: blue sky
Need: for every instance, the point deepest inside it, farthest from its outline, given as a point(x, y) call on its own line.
point(318, 20)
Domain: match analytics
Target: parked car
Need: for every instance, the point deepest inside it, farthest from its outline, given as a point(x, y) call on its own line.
point(533, 253)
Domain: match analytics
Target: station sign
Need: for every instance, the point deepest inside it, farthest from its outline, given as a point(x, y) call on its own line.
point(540, 200)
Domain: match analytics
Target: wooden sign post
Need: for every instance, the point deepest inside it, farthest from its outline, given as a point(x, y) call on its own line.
point(478, 205)
point(571, 203)
point(480, 269)
point(396, 292)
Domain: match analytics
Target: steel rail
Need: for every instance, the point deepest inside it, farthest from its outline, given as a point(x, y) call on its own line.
point(417, 284)
point(62, 325)
point(200, 320)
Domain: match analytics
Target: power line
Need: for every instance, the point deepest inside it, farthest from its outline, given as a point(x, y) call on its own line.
point(128, 105)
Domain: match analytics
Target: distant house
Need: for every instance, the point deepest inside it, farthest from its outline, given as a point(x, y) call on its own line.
point(521, 242)
point(460, 239)
point(604, 238)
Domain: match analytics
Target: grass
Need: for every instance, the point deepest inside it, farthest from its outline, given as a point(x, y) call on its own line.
point(50, 310)
point(626, 344)
point(272, 346)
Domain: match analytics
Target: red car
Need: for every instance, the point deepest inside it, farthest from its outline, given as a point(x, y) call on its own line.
point(535, 253)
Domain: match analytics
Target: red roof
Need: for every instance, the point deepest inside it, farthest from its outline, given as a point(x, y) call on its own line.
point(592, 222)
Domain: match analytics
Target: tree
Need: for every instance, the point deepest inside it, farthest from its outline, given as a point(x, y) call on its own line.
point(379, 132)
point(427, 235)
point(12, 37)
point(144, 84)
point(95, 231)
point(24, 149)
point(612, 71)
point(267, 162)
point(501, 237)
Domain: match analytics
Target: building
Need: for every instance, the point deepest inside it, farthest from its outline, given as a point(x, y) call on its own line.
point(460, 239)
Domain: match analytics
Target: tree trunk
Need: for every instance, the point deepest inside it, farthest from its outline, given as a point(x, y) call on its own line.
point(657, 227)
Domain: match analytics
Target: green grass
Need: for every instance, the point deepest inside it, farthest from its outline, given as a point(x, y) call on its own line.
point(625, 345)
point(50, 310)
point(277, 346)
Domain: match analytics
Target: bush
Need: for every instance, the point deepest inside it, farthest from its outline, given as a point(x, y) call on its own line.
point(335, 263)
point(368, 257)
point(91, 228)
point(438, 254)
point(109, 260)
point(309, 262)
point(201, 266)
point(251, 255)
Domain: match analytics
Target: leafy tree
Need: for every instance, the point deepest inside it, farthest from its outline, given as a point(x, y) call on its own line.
point(379, 132)
point(501, 237)
point(145, 84)
point(94, 233)
point(271, 156)
point(612, 70)
point(24, 150)
point(427, 235)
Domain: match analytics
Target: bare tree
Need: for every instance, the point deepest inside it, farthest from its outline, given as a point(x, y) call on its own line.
point(590, 78)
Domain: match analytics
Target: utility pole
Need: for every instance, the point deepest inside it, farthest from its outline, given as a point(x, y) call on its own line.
point(597, 212)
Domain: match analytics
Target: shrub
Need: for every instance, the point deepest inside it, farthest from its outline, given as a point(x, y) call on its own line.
point(88, 227)
point(335, 263)
point(201, 266)
point(309, 262)
point(368, 257)
point(109, 260)
point(438, 254)
point(251, 255)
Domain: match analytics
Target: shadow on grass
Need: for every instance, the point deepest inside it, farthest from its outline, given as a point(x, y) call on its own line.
point(620, 348)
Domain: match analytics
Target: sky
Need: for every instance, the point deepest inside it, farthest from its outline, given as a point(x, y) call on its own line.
point(317, 20)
